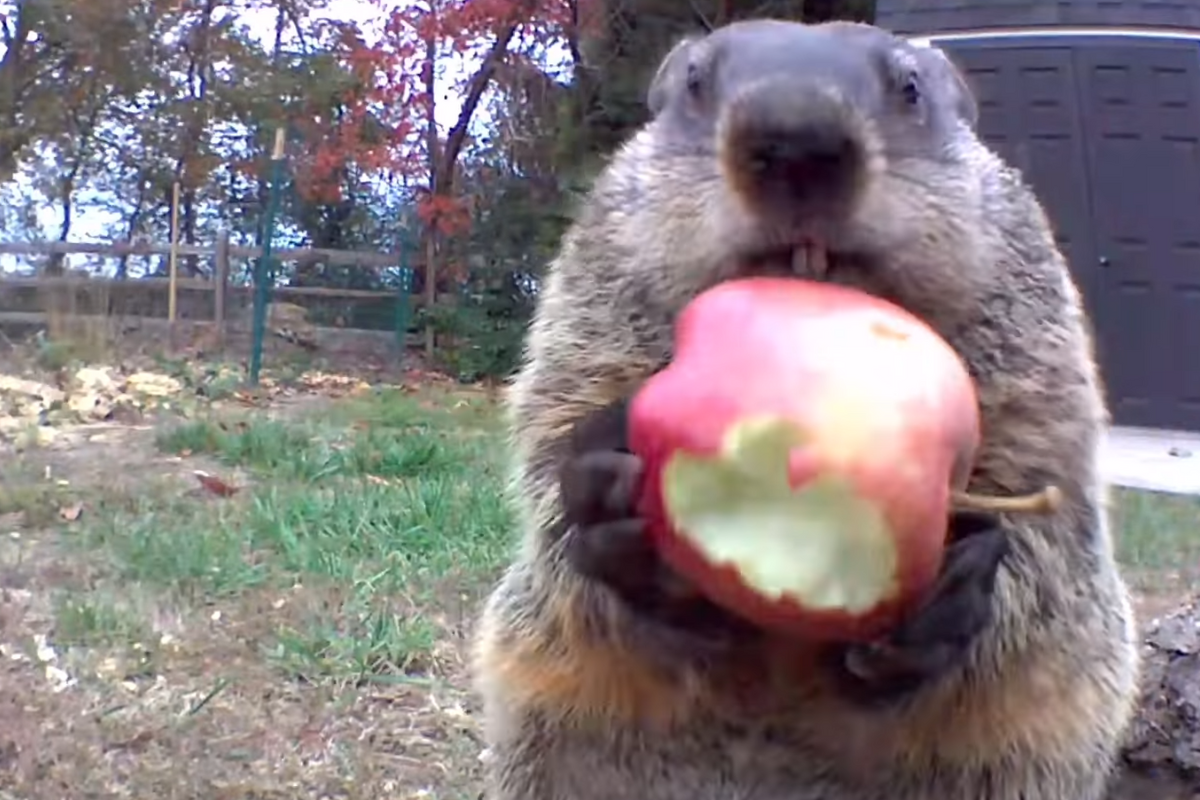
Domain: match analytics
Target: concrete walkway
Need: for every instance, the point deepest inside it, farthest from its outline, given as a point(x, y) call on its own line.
point(1165, 461)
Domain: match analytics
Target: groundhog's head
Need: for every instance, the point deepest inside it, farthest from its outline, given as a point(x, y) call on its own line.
point(836, 151)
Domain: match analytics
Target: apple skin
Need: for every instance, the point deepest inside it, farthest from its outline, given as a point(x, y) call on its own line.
point(844, 421)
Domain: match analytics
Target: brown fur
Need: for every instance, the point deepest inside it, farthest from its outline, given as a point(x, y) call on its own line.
point(574, 710)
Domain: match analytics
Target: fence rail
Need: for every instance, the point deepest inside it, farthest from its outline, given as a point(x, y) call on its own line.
point(302, 255)
point(187, 284)
point(220, 254)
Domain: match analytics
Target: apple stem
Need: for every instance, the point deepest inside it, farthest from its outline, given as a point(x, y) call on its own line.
point(1043, 502)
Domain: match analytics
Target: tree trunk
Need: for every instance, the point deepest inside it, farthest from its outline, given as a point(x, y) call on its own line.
point(1161, 757)
point(429, 231)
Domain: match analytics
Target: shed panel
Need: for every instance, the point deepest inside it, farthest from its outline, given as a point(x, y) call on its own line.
point(940, 16)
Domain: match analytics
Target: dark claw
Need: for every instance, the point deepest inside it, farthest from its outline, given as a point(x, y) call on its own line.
point(600, 486)
point(614, 553)
point(939, 636)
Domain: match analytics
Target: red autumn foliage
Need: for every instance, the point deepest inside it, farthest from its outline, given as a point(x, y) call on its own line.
point(448, 214)
point(382, 122)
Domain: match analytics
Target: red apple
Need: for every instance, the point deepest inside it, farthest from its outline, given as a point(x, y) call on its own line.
point(801, 451)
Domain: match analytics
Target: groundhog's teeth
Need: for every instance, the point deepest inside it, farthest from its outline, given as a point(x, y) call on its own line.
point(810, 261)
point(800, 260)
point(818, 261)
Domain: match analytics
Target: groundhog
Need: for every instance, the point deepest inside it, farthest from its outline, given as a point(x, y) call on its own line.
point(842, 153)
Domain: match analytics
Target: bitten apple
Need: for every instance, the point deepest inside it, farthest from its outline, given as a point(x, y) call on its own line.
point(801, 451)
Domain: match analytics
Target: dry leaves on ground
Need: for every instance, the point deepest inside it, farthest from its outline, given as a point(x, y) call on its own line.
point(71, 512)
point(90, 394)
point(215, 485)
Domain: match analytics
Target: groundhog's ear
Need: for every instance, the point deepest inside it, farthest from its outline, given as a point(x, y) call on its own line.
point(670, 74)
point(948, 82)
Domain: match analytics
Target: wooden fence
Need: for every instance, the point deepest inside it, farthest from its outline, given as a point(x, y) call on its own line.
point(218, 286)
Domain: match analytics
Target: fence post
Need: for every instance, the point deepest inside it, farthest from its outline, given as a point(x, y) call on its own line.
point(220, 285)
point(173, 291)
point(403, 305)
point(172, 298)
point(430, 288)
point(261, 274)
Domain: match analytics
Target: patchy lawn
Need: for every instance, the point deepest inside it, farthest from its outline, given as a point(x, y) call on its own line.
point(304, 637)
point(1158, 543)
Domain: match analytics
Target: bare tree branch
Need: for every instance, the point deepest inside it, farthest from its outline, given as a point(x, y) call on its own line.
point(700, 17)
point(443, 175)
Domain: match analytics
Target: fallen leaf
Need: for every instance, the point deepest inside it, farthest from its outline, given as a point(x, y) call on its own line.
point(251, 397)
point(14, 385)
point(137, 744)
point(71, 513)
point(92, 405)
point(154, 384)
point(214, 484)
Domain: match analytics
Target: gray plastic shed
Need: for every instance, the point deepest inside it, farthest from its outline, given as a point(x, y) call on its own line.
point(1099, 104)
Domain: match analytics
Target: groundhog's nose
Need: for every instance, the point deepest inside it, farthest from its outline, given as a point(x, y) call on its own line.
point(802, 160)
point(798, 152)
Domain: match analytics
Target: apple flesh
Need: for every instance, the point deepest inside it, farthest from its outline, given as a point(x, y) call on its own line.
point(800, 454)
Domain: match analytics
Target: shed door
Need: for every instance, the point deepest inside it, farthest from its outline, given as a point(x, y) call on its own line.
point(1109, 137)
point(1141, 112)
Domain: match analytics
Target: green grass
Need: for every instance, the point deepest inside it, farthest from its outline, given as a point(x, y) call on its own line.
point(388, 510)
point(375, 643)
point(1156, 530)
point(384, 506)
point(97, 620)
point(387, 435)
point(31, 498)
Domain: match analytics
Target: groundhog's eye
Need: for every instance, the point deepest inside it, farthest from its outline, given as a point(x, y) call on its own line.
point(694, 80)
point(910, 89)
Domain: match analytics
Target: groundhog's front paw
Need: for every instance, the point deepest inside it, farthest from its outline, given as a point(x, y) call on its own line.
point(603, 536)
point(605, 540)
point(939, 635)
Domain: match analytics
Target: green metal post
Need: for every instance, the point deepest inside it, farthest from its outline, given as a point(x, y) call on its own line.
point(403, 298)
point(263, 275)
